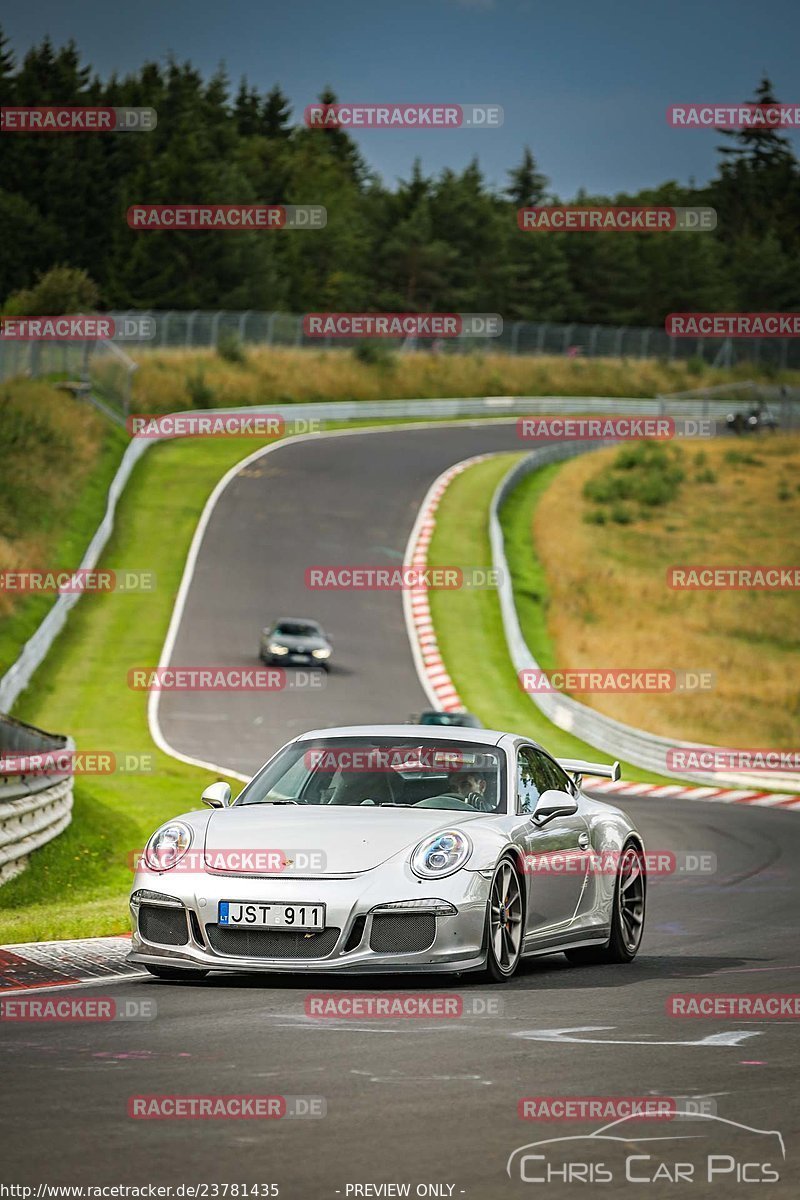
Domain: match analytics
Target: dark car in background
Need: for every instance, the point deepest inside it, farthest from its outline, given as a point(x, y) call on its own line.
point(293, 641)
point(435, 716)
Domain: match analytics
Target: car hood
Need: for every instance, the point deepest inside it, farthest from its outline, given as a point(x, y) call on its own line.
point(351, 840)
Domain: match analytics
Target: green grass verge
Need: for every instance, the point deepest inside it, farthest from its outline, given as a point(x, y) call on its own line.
point(468, 624)
point(77, 885)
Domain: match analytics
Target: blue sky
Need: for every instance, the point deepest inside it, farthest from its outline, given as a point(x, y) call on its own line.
point(585, 84)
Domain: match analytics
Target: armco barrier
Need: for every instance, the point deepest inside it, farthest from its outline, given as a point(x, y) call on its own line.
point(33, 808)
point(625, 742)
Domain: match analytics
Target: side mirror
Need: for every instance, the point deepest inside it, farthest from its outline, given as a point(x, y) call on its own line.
point(217, 795)
point(553, 803)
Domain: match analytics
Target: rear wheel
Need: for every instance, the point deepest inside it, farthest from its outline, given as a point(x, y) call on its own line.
point(504, 923)
point(627, 918)
point(175, 973)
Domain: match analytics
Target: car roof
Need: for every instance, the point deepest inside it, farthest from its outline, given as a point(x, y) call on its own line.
point(441, 733)
point(297, 621)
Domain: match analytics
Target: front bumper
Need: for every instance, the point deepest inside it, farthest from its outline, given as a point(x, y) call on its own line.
point(457, 943)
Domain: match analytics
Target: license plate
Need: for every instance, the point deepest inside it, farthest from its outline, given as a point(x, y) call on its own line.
point(269, 916)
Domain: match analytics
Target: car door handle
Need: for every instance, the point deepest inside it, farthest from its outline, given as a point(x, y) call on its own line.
point(583, 841)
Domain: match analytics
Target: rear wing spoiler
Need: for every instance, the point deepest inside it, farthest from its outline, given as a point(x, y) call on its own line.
point(577, 766)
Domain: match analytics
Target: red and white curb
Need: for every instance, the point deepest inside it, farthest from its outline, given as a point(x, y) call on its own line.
point(679, 791)
point(30, 965)
point(433, 674)
point(443, 694)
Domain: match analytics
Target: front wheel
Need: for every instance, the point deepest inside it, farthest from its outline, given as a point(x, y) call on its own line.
point(504, 923)
point(627, 918)
point(175, 973)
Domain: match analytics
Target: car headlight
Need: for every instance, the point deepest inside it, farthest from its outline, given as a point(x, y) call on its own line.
point(441, 854)
point(321, 653)
point(274, 648)
point(167, 846)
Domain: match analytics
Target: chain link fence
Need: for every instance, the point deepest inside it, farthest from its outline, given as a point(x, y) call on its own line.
point(103, 370)
point(196, 330)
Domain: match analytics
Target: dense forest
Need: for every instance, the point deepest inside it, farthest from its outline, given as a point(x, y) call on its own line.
point(443, 243)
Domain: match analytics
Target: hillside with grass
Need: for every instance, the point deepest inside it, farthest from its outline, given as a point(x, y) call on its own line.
point(236, 375)
point(591, 553)
point(59, 457)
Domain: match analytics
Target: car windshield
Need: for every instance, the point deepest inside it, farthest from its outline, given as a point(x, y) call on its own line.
point(296, 629)
point(383, 772)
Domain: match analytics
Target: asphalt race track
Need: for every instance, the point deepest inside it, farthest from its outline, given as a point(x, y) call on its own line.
point(319, 502)
point(417, 1101)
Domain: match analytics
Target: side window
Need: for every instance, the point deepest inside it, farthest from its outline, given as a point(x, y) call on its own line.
point(536, 773)
point(530, 779)
point(556, 778)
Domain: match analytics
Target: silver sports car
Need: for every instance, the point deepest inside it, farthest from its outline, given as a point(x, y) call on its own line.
point(393, 849)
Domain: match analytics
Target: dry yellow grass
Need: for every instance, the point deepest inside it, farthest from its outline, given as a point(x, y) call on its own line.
point(284, 375)
point(610, 605)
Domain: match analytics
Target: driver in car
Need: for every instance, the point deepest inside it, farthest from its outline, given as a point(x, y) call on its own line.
point(470, 787)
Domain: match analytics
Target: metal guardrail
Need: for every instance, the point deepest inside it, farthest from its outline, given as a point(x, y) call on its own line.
point(647, 750)
point(33, 808)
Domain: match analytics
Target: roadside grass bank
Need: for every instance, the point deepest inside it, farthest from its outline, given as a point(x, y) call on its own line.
point(468, 623)
point(58, 459)
point(168, 380)
point(605, 532)
point(77, 885)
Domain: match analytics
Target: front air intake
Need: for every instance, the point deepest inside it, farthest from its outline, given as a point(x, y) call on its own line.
point(165, 926)
point(402, 933)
